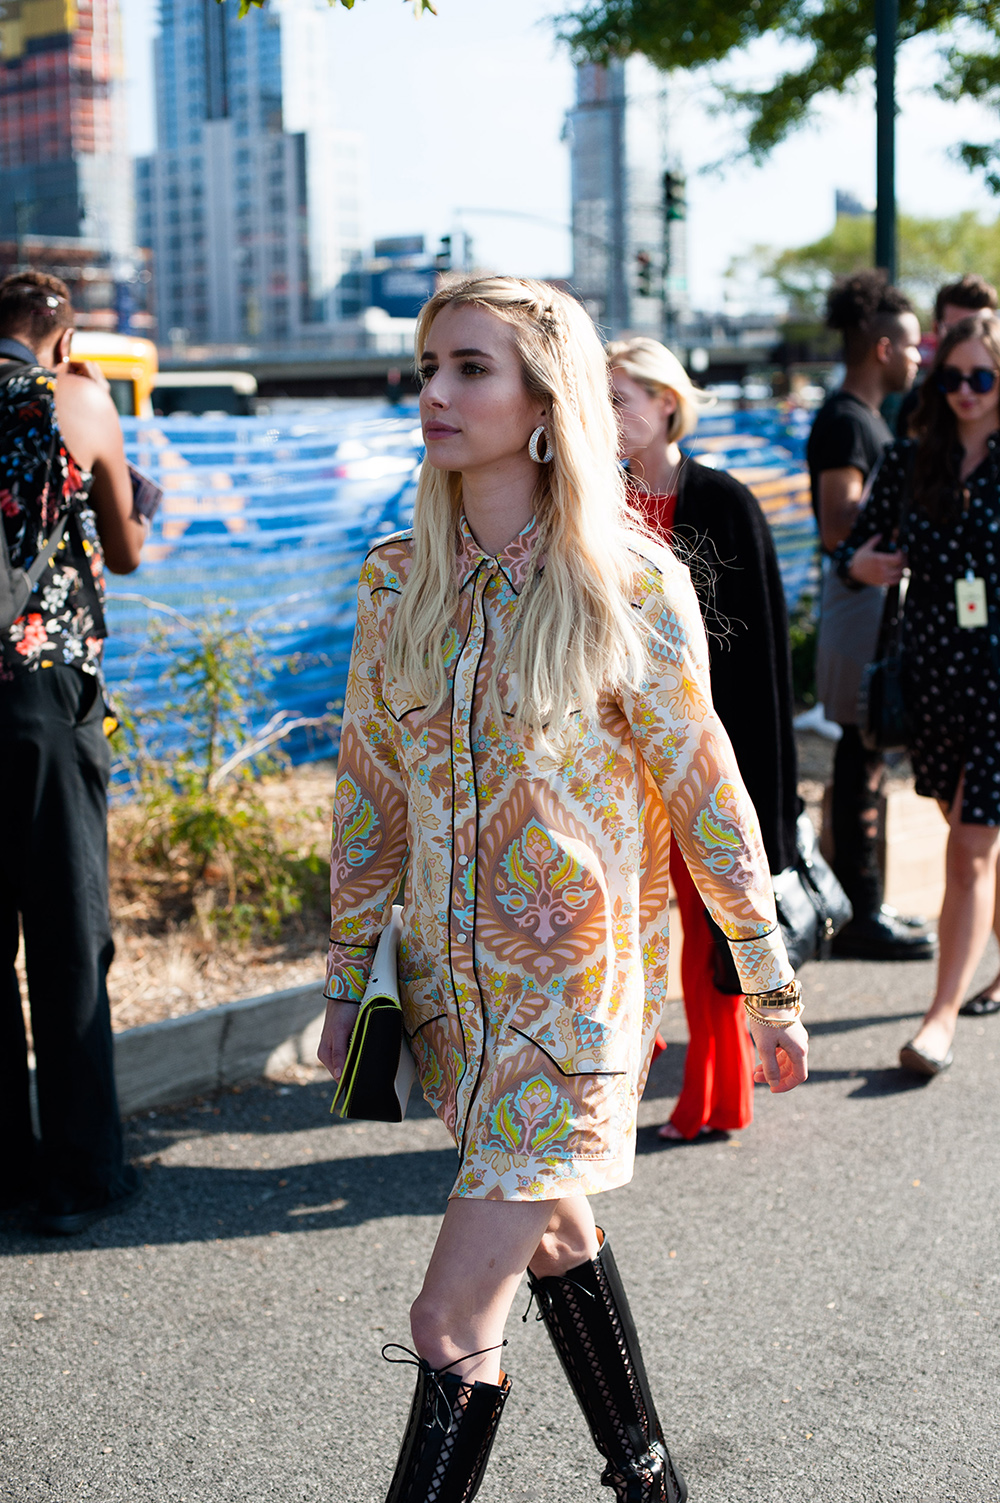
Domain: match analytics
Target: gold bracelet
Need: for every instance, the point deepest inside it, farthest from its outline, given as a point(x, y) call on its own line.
point(782, 996)
point(757, 1017)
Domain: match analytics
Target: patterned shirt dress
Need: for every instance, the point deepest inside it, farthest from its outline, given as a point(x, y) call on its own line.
point(533, 959)
point(950, 673)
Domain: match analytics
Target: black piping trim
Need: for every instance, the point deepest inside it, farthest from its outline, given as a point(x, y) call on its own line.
point(570, 1074)
point(403, 535)
point(475, 894)
point(754, 938)
point(451, 884)
point(343, 944)
point(425, 1024)
point(398, 718)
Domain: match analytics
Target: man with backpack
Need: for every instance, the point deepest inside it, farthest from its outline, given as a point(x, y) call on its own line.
point(66, 508)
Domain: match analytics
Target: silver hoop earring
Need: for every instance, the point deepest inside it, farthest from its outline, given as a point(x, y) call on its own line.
point(540, 433)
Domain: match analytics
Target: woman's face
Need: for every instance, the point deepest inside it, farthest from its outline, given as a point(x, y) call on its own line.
point(970, 406)
point(642, 419)
point(475, 410)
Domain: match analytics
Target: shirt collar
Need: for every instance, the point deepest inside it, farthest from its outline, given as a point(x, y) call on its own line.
point(513, 560)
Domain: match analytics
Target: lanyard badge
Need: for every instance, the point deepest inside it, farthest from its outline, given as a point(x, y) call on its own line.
point(970, 601)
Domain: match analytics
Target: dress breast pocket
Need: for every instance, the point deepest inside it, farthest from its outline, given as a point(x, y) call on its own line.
point(410, 724)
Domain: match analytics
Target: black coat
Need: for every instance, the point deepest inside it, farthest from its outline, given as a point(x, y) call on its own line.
point(720, 530)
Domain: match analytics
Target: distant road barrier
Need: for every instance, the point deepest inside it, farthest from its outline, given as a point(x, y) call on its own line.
point(272, 516)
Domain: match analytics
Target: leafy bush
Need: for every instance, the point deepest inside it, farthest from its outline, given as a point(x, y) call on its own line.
point(802, 633)
point(199, 824)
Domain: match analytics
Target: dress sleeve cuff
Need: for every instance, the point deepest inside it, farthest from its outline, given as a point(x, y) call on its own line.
point(347, 971)
point(761, 963)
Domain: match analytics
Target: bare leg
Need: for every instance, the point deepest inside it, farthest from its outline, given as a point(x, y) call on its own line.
point(481, 1253)
point(967, 915)
point(993, 990)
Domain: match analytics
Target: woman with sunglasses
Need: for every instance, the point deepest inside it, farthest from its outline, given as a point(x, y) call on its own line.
point(935, 508)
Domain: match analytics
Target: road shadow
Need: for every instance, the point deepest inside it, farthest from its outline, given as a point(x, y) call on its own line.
point(890, 1081)
point(194, 1204)
point(847, 1025)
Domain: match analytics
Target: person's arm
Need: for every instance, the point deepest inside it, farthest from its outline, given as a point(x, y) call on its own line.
point(840, 495)
point(90, 427)
point(689, 756)
point(864, 555)
point(369, 849)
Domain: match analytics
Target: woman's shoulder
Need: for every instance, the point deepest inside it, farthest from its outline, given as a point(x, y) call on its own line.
point(387, 563)
point(659, 573)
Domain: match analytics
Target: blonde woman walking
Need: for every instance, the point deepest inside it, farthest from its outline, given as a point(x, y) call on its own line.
point(527, 721)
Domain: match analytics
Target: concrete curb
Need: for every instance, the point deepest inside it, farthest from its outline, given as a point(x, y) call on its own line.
point(161, 1064)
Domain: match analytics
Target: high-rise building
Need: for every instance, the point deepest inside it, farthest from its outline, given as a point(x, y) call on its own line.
point(253, 202)
point(626, 251)
point(64, 167)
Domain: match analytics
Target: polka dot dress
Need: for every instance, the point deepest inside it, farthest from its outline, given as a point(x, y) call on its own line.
point(951, 673)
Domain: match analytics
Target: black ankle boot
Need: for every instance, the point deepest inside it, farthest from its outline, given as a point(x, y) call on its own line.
point(448, 1439)
point(588, 1317)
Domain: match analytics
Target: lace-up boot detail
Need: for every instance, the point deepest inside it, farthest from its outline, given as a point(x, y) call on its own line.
point(448, 1438)
point(588, 1317)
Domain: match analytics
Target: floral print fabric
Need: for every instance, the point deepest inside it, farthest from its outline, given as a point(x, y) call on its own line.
point(533, 960)
point(58, 624)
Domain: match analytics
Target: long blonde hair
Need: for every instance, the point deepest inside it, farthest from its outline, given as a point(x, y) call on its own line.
point(657, 369)
point(577, 635)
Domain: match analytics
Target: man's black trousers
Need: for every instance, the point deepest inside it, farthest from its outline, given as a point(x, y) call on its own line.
point(54, 765)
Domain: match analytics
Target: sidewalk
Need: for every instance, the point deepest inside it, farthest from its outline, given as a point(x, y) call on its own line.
point(818, 1296)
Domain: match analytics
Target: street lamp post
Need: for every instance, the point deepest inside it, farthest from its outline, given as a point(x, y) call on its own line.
point(886, 28)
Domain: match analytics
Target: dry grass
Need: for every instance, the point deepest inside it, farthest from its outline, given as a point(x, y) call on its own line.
point(164, 967)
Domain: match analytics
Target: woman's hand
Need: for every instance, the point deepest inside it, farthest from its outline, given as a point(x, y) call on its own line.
point(783, 1056)
point(869, 567)
point(337, 1029)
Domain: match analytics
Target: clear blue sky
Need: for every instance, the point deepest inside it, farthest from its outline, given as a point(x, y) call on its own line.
point(465, 110)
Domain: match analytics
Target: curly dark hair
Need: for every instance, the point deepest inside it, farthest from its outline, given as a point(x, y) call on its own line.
point(34, 305)
point(936, 474)
point(864, 308)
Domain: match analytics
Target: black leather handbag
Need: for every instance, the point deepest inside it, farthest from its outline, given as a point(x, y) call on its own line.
point(883, 723)
point(812, 909)
point(379, 1069)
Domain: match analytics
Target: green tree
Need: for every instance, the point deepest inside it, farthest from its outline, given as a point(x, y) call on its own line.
point(835, 43)
point(931, 252)
point(419, 6)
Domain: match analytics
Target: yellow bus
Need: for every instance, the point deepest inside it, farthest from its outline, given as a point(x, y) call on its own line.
point(129, 363)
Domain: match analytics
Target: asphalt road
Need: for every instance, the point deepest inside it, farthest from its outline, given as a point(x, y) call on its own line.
point(818, 1295)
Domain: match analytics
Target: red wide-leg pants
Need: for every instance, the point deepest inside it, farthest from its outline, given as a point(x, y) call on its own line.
point(718, 1070)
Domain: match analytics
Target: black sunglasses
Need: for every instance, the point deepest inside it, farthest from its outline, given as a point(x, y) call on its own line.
point(980, 380)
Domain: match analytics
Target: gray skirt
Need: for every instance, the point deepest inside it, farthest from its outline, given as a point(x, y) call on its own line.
point(849, 625)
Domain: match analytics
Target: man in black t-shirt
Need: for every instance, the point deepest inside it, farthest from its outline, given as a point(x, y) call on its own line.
point(881, 334)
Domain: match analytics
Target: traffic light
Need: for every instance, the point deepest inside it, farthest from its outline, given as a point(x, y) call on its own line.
point(443, 258)
point(644, 273)
point(674, 200)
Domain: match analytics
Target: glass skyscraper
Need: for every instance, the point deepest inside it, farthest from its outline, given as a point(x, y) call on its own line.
point(64, 167)
point(253, 201)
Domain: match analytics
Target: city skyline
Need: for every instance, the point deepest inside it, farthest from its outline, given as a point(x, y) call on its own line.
point(479, 101)
point(253, 202)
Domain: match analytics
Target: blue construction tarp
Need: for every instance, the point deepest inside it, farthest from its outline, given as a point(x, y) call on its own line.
point(271, 517)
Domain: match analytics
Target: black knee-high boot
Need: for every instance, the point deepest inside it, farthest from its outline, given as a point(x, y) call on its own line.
point(588, 1317)
point(448, 1438)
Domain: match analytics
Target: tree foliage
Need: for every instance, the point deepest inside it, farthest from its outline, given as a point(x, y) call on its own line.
point(419, 6)
point(931, 253)
point(835, 46)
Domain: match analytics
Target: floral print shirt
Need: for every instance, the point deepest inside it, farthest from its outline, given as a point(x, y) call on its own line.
point(58, 625)
point(533, 959)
